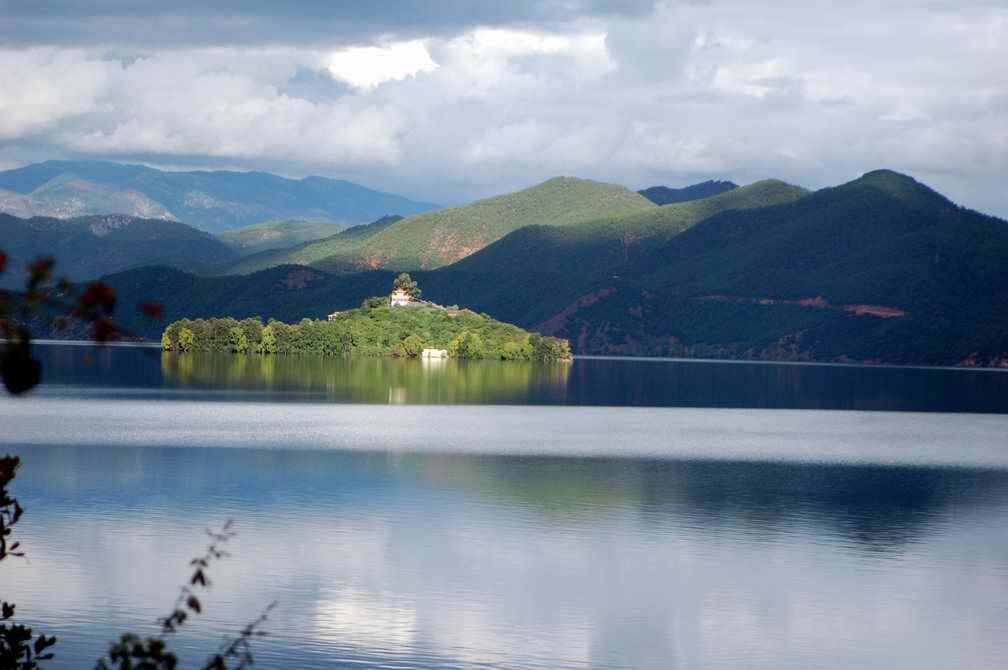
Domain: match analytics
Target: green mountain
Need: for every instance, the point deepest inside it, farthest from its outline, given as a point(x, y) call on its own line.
point(281, 234)
point(881, 269)
point(441, 237)
point(212, 201)
point(88, 246)
point(663, 195)
point(569, 260)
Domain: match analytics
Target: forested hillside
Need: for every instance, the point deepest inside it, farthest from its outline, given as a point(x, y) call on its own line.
point(93, 245)
point(444, 236)
point(563, 263)
point(882, 268)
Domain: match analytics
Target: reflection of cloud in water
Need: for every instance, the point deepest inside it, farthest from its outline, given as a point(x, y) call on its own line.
point(380, 623)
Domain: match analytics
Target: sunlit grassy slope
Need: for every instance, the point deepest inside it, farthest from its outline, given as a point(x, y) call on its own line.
point(441, 237)
point(278, 234)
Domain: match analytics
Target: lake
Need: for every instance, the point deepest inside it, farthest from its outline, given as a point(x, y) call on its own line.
point(603, 514)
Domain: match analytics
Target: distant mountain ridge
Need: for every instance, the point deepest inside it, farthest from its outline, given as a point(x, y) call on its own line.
point(663, 195)
point(67, 196)
point(212, 201)
point(89, 246)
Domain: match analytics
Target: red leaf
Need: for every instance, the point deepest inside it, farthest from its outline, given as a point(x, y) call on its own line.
point(99, 293)
point(40, 266)
point(152, 310)
point(104, 330)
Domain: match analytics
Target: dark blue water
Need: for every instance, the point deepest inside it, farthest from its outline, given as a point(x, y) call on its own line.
point(517, 533)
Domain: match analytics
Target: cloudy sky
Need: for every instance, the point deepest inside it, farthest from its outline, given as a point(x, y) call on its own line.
point(452, 100)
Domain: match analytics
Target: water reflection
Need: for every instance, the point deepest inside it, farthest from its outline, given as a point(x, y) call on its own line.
point(473, 561)
point(619, 382)
point(372, 379)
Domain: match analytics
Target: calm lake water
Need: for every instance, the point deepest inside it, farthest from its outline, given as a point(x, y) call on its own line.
point(605, 514)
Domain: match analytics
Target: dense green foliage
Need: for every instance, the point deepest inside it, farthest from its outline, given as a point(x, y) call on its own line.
point(280, 234)
point(406, 283)
point(89, 246)
point(663, 195)
point(444, 236)
point(373, 331)
point(212, 201)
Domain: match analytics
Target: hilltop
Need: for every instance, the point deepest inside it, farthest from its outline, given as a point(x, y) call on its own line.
point(212, 201)
point(663, 195)
point(441, 237)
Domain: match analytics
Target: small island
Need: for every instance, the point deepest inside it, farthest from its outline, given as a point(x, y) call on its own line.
point(400, 325)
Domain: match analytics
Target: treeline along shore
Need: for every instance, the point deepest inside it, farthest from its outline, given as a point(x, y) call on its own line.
point(374, 329)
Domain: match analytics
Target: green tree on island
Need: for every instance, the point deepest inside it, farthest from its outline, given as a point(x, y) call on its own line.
point(406, 283)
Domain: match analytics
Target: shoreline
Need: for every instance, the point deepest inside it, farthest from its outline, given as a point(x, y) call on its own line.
point(148, 344)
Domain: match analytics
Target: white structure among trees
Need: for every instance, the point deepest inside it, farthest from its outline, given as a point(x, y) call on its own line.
point(399, 298)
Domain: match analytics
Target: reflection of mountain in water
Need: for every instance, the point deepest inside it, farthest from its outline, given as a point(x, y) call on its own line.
point(375, 380)
point(874, 508)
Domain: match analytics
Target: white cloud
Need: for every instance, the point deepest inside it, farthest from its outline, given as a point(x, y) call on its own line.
point(810, 93)
point(44, 86)
point(367, 67)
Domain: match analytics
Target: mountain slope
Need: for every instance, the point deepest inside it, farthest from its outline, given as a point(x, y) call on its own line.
point(67, 196)
point(86, 247)
point(281, 234)
point(570, 259)
point(213, 201)
point(663, 195)
point(312, 250)
point(882, 268)
point(444, 236)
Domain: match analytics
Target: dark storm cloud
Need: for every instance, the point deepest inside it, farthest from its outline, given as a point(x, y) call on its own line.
point(264, 22)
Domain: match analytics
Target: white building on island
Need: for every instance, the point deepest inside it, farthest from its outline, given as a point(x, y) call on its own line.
point(399, 298)
point(434, 353)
